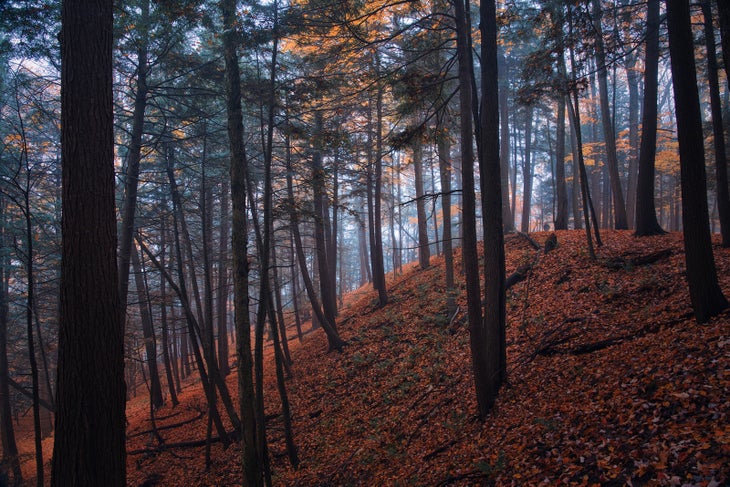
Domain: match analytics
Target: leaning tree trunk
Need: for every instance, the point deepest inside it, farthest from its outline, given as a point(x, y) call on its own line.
point(150, 343)
point(170, 368)
point(333, 338)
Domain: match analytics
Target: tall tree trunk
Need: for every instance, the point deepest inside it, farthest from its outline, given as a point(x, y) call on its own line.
point(575, 169)
point(89, 441)
point(723, 199)
point(134, 154)
point(295, 288)
point(206, 216)
point(199, 327)
point(444, 153)
point(527, 172)
point(334, 341)
point(170, 363)
point(362, 239)
point(705, 293)
point(646, 221)
point(632, 76)
point(334, 234)
point(507, 218)
point(561, 192)
point(724, 17)
point(469, 254)
point(222, 291)
point(29, 308)
point(376, 247)
point(276, 283)
point(252, 474)
point(619, 205)
point(10, 458)
point(494, 345)
point(395, 201)
point(147, 331)
point(424, 253)
point(329, 304)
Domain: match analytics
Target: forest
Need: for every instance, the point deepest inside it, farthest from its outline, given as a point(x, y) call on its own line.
point(364, 242)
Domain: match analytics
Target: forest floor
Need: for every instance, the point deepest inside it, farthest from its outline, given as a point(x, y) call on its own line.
point(610, 382)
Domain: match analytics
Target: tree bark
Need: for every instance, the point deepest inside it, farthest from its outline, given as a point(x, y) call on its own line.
point(527, 172)
point(329, 303)
point(494, 345)
point(252, 475)
point(147, 331)
point(718, 132)
point(170, 362)
point(134, 154)
point(333, 338)
point(507, 219)
point(646, 221)
point(561, 192)
point(705, 293)
point(10, 456)
point(619, 205)
point(376, 247)
point(724, 16)
point(470, 258)
point(89, 442)
point(222, 291)
point(444, 153)
point(424, 252)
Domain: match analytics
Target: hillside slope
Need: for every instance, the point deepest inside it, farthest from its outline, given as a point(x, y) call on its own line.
point(610, 382)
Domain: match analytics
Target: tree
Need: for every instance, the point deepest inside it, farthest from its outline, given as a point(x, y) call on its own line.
point(89, 443)
point(723, 199)
point(619, 206)
point(705, 292)
point(493, 361)
point(469, 253)
point(239, 229)
point(724, 14)
point(646, 222)
point(10, 459)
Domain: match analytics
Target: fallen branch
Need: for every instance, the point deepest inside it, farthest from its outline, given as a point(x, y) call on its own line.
point(617, 263)
point(474, 474)
point(167, 427)
point(530, 240)
point(438, 450)
point(233, 435)
point(517, 276)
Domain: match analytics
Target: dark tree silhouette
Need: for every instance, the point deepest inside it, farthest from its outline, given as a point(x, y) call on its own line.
point(89, 446)
point(646, 221)
point(704, 290)
point(493, 335)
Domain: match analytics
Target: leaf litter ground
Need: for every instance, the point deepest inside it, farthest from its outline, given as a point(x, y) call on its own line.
point(610, 382)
